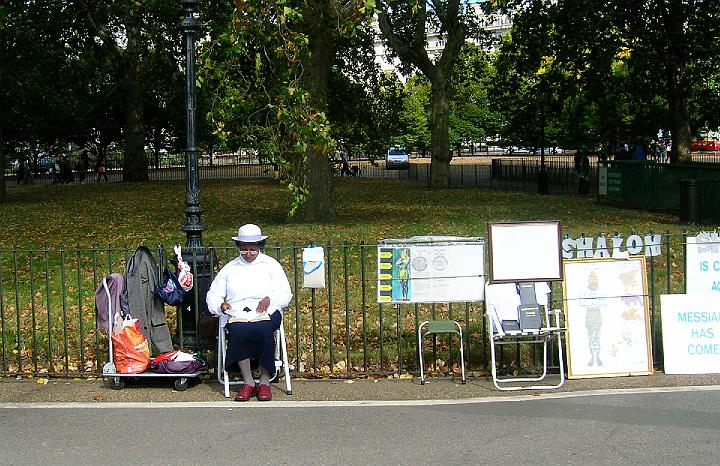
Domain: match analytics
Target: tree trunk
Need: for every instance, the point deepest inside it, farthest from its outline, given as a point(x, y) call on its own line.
point(679, 124)
point(3, 164)
point(135, 160)
point(677, 83)
point(441, 156)
point(318, 171)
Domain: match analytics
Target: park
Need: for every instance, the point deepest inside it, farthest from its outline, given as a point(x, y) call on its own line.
point(255, 120)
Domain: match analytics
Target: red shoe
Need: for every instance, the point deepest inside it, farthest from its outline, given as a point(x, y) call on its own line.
point(245, 393)
point(263, 393)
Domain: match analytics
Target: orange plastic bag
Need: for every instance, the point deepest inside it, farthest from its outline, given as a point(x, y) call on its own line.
point(131, 351)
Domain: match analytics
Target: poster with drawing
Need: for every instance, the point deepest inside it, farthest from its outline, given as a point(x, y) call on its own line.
point(431, 270)
point(606, 315)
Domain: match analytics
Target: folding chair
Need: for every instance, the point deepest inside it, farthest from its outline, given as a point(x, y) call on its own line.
point(514, 317)
point(434, 327)
point(281, 359)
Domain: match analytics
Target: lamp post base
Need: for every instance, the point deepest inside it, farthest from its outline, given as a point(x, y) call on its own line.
point(190, 332)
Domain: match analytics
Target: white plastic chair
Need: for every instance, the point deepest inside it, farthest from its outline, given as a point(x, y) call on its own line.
point(281, 359)
point(505, 329)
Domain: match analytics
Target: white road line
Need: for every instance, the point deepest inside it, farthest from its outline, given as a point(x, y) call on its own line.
point(352, 404)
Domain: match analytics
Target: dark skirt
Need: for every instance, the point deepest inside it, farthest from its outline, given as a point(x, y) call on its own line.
point(254, 341)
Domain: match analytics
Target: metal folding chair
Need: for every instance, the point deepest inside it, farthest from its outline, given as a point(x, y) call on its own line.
point(515, 331)
point(281, 359)
point(434, 327)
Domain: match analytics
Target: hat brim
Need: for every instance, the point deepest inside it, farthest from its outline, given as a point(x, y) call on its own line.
point(249, 239)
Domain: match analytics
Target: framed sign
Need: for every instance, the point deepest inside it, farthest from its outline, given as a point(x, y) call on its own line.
point(702, 270)
point(691, 333)
point(606, 315)
point(431, 269)
point(525, 252)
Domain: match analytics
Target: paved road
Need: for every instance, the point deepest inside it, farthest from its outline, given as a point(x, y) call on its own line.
point(643, 426)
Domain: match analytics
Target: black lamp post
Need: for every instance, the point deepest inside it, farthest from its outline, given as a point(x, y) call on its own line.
point(189, 311)
point(543, 181)
point(193, 228)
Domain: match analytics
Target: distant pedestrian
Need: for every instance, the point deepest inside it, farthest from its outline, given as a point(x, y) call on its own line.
point(582, 169)
point(100, 169)
point(24, 173)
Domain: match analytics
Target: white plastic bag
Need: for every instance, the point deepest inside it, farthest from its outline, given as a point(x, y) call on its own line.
point(313, 267)
point(185, 277)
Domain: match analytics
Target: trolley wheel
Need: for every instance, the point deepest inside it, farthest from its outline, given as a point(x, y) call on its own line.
point(117, 383)
point(181, 384)
point(276, 378)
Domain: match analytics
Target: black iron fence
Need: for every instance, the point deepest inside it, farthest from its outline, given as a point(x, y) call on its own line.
point(659, 186)
point(48, 319)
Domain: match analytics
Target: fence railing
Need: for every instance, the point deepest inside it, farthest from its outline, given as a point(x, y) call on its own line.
point(48, 322)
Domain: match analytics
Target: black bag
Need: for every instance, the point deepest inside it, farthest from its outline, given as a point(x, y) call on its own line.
point(170, 292)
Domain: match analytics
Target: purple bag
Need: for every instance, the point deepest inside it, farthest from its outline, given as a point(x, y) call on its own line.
point(178, 367)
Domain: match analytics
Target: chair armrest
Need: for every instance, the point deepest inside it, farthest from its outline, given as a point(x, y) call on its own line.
point(556, 313)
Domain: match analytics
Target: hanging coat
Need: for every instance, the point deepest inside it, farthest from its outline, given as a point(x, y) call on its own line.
point(141, 279)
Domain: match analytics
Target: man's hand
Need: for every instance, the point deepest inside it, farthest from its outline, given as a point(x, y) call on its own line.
point(225, 307)
point(263, 305)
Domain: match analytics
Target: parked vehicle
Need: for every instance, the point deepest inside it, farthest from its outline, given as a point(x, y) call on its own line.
point(397, 159)
point(705, 145)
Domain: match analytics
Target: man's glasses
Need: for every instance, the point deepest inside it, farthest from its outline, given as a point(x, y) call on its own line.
point(252, 252)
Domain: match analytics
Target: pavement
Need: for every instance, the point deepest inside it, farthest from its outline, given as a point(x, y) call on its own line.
point(203, 390)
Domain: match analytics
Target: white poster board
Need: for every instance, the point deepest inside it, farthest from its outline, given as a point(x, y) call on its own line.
point(703, 264)
point(431, 269)
point(525, 252)
point(691, 333)
point(606, 315)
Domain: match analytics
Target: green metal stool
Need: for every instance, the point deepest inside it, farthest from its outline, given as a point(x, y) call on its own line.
point(434, 327)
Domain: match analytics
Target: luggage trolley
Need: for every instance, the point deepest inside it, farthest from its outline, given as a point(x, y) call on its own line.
point(116, 378)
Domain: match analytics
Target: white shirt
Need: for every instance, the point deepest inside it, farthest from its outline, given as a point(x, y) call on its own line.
point(245, 284)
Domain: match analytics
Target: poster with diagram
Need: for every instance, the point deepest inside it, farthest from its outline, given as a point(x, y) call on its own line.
point(606, 315)
point(431, 269)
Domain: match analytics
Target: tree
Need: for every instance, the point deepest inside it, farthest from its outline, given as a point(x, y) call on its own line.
point(622, 69)
point(405, 27)
point(40, 95)
point(133, 32)
point(471, 117)
point(416, 115)
point(271, 70)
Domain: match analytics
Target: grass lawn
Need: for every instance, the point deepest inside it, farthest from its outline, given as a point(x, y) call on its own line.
point(128, 214)
point(49, 315)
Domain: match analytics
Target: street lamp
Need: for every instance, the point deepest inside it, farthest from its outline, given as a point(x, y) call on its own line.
point(542, 176)
point(189, 312)
point(193, 227)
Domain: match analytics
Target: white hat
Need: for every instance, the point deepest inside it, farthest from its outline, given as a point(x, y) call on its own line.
point(249, 233)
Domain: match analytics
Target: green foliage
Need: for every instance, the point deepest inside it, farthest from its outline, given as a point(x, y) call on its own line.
point(612, 71)
point(416, 115)
point(269, 69)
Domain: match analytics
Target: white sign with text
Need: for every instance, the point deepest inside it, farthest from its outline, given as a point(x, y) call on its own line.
point(691, 333)
point(703, 263)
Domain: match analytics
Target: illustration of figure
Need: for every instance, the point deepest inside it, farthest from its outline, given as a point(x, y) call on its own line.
point(403, 268)
point(593, 304)
point(631, 317)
